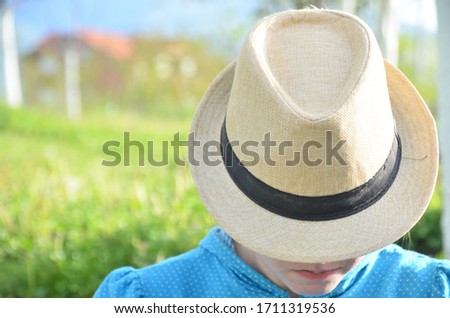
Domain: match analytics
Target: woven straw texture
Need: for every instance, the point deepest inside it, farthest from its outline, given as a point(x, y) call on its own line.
point(300, 74)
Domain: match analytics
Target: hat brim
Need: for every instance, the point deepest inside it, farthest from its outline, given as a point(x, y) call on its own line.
point(321, 241)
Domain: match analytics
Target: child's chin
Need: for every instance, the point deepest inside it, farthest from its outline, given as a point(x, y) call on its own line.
point(314, 289)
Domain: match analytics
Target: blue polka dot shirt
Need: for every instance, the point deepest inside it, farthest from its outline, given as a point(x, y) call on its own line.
point(214, 270)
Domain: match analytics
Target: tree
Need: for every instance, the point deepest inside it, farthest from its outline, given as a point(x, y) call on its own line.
point(443, 9)
point(72, 73)
point(72, 68)
point(387, 28)
point(13, 85)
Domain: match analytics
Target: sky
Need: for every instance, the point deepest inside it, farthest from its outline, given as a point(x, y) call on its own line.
point(36, 18)
point(204, 18)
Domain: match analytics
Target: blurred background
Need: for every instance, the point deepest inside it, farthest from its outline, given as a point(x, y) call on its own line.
point(79, 73)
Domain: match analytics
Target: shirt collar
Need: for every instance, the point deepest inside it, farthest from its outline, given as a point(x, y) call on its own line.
point(219, 243)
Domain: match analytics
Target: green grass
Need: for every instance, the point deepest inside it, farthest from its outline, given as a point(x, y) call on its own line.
point(66, 220)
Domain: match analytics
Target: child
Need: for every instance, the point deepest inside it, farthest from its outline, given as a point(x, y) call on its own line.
point(328, 155)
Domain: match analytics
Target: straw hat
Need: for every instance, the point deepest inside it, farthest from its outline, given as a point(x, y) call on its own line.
point(328, 152)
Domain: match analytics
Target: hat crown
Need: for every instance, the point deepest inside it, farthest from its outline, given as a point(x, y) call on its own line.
point(315, 81)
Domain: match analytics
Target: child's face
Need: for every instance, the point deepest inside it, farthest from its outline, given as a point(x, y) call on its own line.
point(299, 278)
point(306, 279)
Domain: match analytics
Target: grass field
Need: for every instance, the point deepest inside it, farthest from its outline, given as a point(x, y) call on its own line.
point(66, 220)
